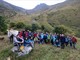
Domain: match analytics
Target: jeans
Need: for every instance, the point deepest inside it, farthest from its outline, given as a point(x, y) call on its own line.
point(62, 45)
point(74, 45)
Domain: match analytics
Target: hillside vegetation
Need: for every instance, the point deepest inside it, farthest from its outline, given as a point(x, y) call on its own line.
point(66, 13)
point(41, 52)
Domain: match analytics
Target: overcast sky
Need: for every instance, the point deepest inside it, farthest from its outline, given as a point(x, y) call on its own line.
point(30, 4)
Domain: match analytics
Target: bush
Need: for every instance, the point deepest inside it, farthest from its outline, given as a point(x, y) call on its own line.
point(28, 27)
point(60, 29)
point(3, 24)
point(20, 25)
point(42, 27)
point(35, 27)
point(12, 24)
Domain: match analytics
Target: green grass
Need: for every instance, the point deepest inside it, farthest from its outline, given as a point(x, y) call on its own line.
point(45, 52)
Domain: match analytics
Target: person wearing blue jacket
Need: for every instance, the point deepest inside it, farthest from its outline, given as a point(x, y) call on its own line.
point(29, 42)
point(41, 38)
point(67, 40)
point(53, 39)
point(45, 38)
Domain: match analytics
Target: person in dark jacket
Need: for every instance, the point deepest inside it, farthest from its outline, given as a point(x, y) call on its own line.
point(57, 40)
point(24, 35)
point(62, 41)
point(45, 38)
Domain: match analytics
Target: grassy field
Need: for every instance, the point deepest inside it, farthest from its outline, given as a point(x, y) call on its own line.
point(41, 52)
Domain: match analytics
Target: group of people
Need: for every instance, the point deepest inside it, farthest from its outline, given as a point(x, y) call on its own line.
point(20, 39)
point(58, 40)
point(27, 37)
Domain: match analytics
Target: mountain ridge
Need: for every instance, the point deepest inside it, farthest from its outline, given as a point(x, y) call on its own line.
point(66, 13)
point(7, 8)
point(38, 8)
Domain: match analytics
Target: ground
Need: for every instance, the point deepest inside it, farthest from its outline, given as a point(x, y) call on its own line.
point(40, 52)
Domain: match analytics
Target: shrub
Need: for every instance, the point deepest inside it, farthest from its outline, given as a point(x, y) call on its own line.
point(3, 24)
point(20, 25)
point(12, 24)
point(60, 29)
point(42, 27)
point(35, 27)
point(28, 27)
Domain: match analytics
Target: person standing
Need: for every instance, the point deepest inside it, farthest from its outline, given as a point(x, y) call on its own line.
point(57, 41)
point(41, 38)
point(62, 41)
point(74, 41)
point(10, 35)
point(45, 38)
point(66, 40)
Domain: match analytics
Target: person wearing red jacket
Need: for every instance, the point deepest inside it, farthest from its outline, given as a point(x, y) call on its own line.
point(20, 34)
point(74, 41)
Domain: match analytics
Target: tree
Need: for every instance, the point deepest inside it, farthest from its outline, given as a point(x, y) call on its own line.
point(42, 27)
point(28, 27)
point(20, 25)
point(12, 24)
point(60, 29)
point(35, 27)
point(3, 24)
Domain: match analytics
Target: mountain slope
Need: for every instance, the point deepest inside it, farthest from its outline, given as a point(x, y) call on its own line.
point(9, 9)
point(64, 4)
point(39, 8)
point(66, 13)
point(41, 52)
point(4, 11)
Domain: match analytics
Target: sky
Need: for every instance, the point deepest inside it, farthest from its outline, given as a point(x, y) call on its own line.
point(30, 4)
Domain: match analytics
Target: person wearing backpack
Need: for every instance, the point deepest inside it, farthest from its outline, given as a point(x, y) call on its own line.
point(66, 40)
point(45, 38)
point(57, 40)
point(49, 38)
point(74, 41)
point(62, 41)
point(53, 39)
point(41, 38)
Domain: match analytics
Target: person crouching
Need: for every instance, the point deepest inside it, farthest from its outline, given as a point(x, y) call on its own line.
point(18, 41)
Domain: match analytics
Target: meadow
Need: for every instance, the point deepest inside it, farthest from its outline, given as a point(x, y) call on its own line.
point(40, 52)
